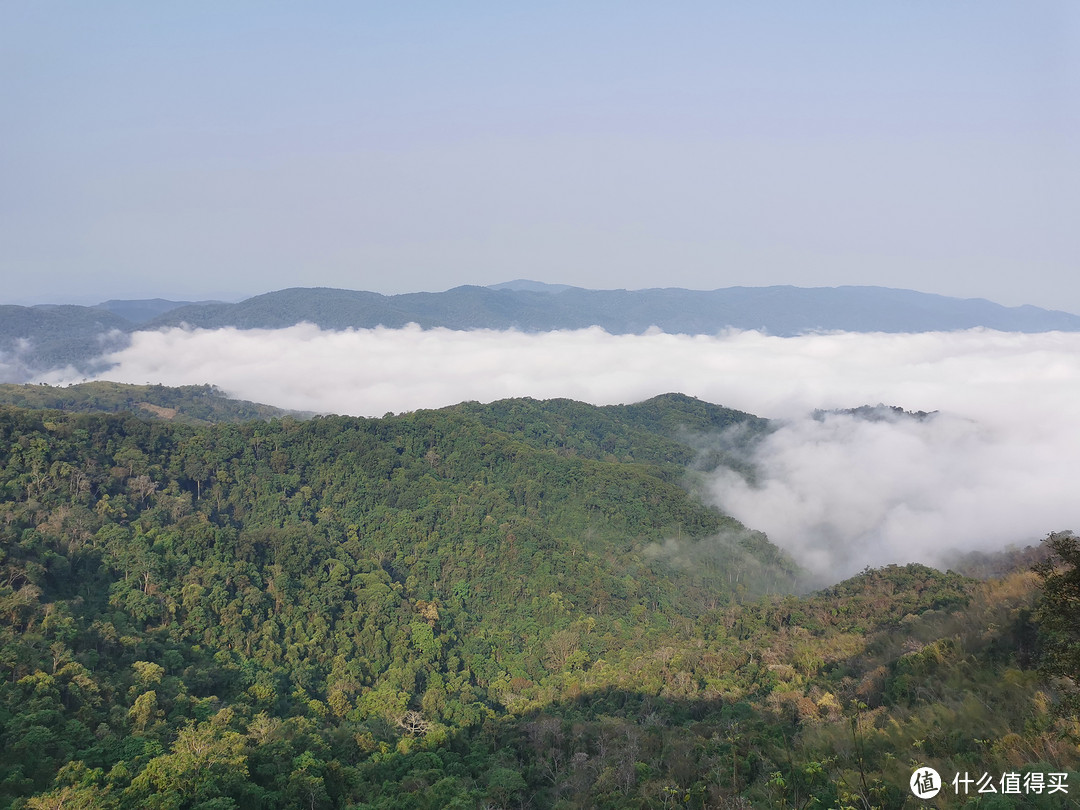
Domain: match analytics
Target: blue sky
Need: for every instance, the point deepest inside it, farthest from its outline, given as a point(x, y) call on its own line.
point(219, 150)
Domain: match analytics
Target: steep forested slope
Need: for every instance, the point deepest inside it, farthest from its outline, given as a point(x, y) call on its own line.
point(479, 605)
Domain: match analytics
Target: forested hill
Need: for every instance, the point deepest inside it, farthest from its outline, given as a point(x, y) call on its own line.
point(190, 404)
point(515, 604)
point(666, 429)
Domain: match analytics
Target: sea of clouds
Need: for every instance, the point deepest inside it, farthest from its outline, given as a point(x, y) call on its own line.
point(996, 465)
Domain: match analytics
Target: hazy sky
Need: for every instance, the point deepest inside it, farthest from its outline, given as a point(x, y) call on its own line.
point(198, 149)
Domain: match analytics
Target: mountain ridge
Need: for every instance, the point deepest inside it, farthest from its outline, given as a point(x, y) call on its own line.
point(782, 309)
point(45, 337)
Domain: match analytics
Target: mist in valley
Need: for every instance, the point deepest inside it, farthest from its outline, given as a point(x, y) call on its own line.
point(992, 466)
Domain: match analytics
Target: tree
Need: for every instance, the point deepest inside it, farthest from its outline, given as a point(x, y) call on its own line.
point(1058, 613)
point(207, 761)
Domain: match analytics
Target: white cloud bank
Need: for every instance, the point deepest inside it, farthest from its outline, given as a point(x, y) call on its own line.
point(996, 466)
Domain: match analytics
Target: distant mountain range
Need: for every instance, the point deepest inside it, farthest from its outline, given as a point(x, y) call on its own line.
point(33, 339)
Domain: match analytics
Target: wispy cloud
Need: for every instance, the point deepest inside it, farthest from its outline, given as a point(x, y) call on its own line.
point(841, 493)
point(995, 466)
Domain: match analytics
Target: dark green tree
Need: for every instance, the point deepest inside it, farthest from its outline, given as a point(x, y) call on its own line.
point(1058, 613)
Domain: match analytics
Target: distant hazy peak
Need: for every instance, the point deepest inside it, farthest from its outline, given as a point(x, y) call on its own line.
point(527, 285)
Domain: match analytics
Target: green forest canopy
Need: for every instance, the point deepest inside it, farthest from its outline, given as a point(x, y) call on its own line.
point(514, 604)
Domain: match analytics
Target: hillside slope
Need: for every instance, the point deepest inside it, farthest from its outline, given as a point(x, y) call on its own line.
point(429, 611)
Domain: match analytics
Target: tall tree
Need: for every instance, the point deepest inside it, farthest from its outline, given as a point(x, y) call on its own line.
point(1059, 612)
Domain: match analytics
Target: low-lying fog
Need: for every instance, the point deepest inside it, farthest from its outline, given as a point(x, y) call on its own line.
point(996, 466)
